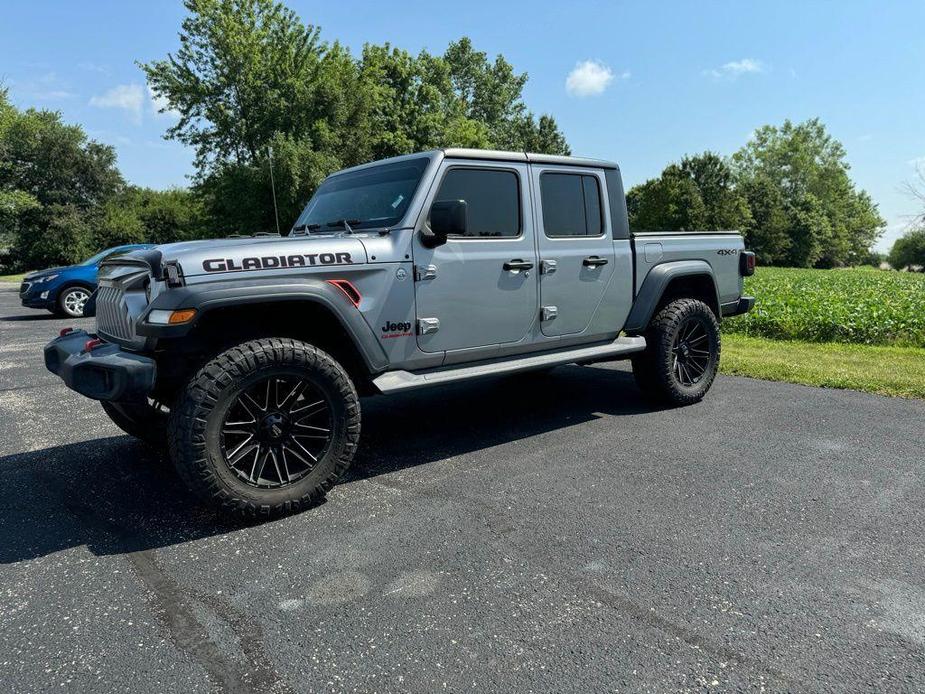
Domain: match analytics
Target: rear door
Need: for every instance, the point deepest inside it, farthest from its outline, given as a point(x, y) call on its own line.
point(576, 251)
point(479, 289)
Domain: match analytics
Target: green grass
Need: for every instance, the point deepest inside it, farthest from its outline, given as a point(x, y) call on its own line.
point(898, 371)
point(12, 278)
point(860, 306)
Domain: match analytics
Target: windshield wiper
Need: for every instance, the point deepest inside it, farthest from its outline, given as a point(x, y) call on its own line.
point(346, 223)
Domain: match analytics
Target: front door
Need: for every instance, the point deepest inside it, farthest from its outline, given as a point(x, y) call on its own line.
point(575, 249)
point(479, 289)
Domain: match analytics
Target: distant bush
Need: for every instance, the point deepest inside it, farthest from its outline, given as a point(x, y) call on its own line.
point(864, 306)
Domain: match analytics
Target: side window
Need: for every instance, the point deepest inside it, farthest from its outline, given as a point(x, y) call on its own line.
point(492, 197)
point(571, 205)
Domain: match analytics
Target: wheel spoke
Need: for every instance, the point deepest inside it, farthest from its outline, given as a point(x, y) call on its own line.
point(247, 402)
point(298, 456)
point(258, 473)
point(308, 407)
point(313, 428)
point(701, 368)
point(293, 396)
point(279, 474)
point(305, 450)
point(282, 454)
point(239, 453)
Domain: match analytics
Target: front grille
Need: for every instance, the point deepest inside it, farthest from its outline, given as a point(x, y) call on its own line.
point(112, 314)
point(24, 288)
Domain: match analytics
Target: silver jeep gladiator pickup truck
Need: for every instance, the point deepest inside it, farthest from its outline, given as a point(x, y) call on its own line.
point(248, 356)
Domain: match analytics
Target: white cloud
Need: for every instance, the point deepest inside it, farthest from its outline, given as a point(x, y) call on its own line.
point(161, 105)
point(590, 78)
point(736, 68)
point(128, 97)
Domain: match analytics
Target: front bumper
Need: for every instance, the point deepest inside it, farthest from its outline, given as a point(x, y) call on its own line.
point(30, 295)
point(106, 372)
point(737, 308)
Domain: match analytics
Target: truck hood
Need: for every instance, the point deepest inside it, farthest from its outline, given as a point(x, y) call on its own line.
point(219, 256)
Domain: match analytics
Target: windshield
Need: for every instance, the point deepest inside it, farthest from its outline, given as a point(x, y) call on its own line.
point(373, 197)
point(94, 259)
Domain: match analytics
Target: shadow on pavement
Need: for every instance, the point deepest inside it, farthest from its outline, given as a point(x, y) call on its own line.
point(44, 315)
point(116, 495)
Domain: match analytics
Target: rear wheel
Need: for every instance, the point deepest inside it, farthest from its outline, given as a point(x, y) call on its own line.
point(72, 300)
point(682, 353)
point(146, 421)
point(266, 427)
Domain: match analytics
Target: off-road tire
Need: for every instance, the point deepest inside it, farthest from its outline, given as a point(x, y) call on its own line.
point(196, 421)
point(654, 369)
point(141, 420)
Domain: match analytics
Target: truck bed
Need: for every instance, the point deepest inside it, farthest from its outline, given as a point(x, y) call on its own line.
point(719, 249)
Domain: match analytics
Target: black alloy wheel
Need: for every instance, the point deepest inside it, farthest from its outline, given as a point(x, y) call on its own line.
point(276, 431)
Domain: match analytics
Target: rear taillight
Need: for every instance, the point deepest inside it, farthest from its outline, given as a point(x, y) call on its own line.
point(747, 264)
point(65, 331)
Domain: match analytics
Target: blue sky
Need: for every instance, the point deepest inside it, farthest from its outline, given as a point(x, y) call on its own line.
point(663, 79)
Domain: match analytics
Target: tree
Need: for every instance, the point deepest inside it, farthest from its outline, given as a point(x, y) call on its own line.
point(143, 215)
point(829, 222)
point(53, 182)
point(909, 251)
point(249, 76)
point(698, 193)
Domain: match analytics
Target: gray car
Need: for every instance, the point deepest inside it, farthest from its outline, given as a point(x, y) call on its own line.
point(249, 356)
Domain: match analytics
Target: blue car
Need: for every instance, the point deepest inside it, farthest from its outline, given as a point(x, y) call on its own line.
point(65, 290)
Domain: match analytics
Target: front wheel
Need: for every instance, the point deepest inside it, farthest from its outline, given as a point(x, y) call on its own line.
point(266, 427)
point(72, 300)
point(682, 353)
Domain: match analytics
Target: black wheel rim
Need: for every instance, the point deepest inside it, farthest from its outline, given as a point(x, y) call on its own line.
point(691, 354)
point(276, 431)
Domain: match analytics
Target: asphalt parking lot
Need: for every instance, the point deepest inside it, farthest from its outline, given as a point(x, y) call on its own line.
point(550, 533)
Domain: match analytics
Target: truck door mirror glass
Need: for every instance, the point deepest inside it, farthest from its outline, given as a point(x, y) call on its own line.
point(447, 218)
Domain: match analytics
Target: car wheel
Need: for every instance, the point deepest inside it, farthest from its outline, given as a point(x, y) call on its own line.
point(682, 353)
point(146, 421)
point(265, 428)
point(72, 300)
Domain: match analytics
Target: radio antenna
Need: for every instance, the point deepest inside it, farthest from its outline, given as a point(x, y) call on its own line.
point(273, 188)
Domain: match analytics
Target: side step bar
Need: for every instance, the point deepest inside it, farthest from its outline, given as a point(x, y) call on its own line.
point(397, 381)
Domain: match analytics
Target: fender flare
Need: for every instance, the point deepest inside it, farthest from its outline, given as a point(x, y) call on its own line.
point(654, 286)
point(206, 297)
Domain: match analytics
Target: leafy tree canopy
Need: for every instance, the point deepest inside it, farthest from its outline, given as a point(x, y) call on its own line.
point(909, 251)
point(787, 189)
point(801, 173)
point(698, 193)
point(249, 75)
point(53, 181)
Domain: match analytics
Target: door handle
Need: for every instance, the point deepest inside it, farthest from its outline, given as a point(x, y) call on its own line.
point(517, 264)
point(594, 261)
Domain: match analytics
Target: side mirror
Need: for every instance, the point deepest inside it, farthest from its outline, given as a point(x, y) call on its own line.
point(447, 218)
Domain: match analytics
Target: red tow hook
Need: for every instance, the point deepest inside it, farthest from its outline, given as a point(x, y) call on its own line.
point(89, 345)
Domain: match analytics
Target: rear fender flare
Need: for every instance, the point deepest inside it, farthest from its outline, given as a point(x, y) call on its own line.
point(656, 283)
